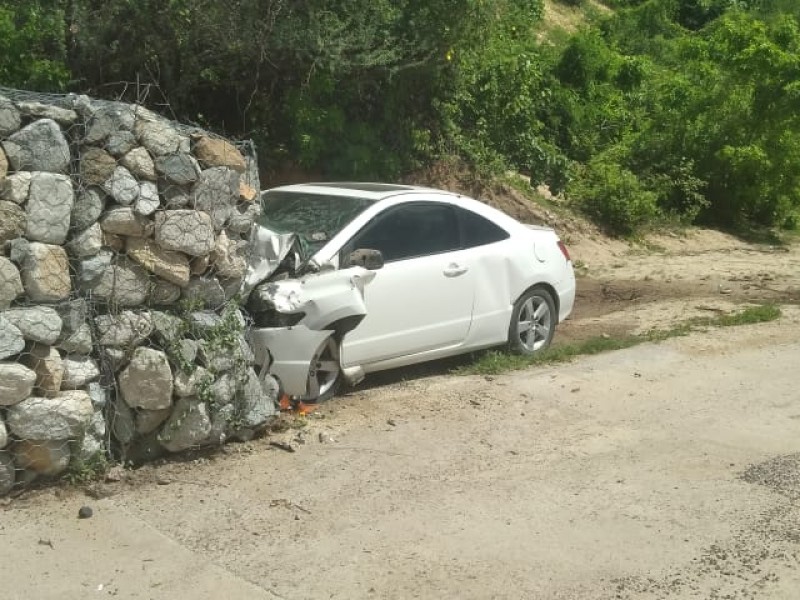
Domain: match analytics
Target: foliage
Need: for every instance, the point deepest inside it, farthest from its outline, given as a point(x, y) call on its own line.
point(32, 46)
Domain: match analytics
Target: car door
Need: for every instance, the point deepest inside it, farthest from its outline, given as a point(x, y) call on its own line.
point(422, 298)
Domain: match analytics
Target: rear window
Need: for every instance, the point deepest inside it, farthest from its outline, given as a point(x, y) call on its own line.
point(478, 231)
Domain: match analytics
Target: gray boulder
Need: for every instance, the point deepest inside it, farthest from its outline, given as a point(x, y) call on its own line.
point(59, 418)
point(37, 323)
point(10, 283)
point(180, 169)
point(122, 186)
point(11, 340)
point(122, 420)
point(88, 207)
point(124, 221)
point(188, 426)
point(10, 119)
point(16, 383)
point(207, 290)
point(15, 187)
point(45, 271)
point(216, 192)
point(124, 330)
point(107, 120)
point(91, 269)
point(148, 201)
point(147, 380)
point(150, 420)
point(46, 363)
point(88, 242)
point(49, 206)
point(187, 231)
point(170, 266)
point(40, 110)
point(256, 400)
point(157, 135)
point(120, 143)
point(164, 293)
point(77, 342)
point(39, 146)
point(79, 371)
point(123, 284)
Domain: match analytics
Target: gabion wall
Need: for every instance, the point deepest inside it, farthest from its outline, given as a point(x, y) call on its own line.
point(123, 240)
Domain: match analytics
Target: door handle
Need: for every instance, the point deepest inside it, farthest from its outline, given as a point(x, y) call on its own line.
point(454, 270)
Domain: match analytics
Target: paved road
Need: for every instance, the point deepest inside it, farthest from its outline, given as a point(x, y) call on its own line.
point(663, 471)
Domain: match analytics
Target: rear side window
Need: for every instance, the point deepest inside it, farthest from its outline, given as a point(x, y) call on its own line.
point(411, 230)
point(478, 231)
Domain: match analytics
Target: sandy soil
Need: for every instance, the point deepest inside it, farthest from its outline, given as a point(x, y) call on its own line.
point(667, 470)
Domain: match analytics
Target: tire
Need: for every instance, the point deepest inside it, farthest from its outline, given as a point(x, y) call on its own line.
point(533, 322)
point(325, 372)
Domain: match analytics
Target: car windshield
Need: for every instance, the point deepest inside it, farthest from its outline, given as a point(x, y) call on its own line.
point(316, 218)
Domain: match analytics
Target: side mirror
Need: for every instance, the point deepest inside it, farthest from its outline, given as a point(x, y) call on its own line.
point(365, 257)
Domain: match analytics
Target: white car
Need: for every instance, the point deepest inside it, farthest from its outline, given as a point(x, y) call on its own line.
point(382, 276)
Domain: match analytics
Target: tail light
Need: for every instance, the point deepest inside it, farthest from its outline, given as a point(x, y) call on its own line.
point(563, 247)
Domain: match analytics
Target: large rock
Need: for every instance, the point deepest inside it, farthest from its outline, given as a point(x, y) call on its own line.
point(216, 192)
point(16, 383)
point(40, 110)
point(96, 166)
point(37, 323)
point(90, 270)
point(120, 143)
point(3, 164)
point(122, 186)
point(188, 426)
point(164, 293)
point(12, 221)
point(11, 340)
point(60, 418)
point(242, 218)
point(139, 162)
point(45, 362)
point(88, 242)
point(122, 420)
point(3, 444)
point(76, 342)
point(171, 266)
point(107, 120)
point(7, 472)
point(15, 187)
point(123, 284)
point(175, 196)
point(93, 443)
point(39, 146)
point(124, 330)
point(148, 201)
point(180, 169)
point(207, 290)
point(10, 119)
point(150, 420)
point(124, 221)
point(11, 284)
point(79, 371)
point(73, 314)
point(187, 231)
point(44, 457)
point(228, 258)
point(147, 380)
point(256, 400)
point(49, 206)
point(189, 384)
point(88, 207)
point(45, 272)
point(217, 152)
point(157, 135)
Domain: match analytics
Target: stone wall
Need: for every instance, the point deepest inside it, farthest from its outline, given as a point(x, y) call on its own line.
point(123, 239)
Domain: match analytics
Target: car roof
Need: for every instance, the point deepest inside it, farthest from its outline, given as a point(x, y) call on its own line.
point(367, 190)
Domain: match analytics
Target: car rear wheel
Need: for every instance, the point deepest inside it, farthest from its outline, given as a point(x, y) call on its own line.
point(533, 322)
point(325, 372)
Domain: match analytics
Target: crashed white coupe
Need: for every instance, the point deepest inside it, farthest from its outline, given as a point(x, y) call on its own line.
point(349, 278)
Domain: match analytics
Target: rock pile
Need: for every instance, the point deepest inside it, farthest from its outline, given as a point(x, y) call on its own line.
point(123, 239)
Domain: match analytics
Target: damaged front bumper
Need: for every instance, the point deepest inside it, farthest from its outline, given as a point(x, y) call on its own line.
point(300, 322)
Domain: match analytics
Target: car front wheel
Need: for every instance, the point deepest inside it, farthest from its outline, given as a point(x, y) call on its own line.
point(325, 372)
point(533, 322)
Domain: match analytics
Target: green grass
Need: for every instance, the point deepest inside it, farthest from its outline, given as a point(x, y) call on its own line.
point(494, 362)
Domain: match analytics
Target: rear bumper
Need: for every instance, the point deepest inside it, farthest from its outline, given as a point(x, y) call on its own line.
point(566, 297)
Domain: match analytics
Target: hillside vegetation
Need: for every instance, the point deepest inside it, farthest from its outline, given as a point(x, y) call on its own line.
point(640, 111)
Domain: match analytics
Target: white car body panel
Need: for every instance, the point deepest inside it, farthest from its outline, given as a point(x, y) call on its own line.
point(418, 308)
